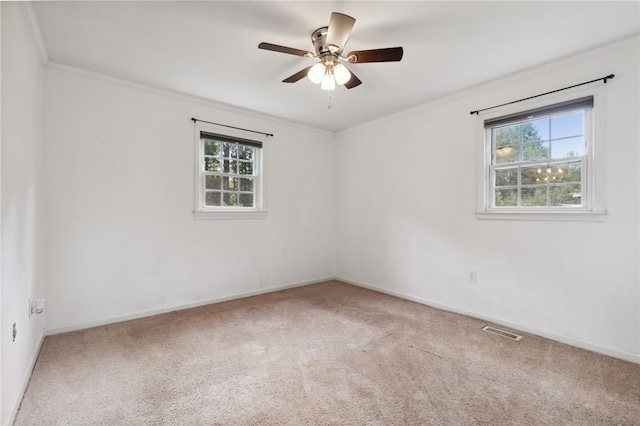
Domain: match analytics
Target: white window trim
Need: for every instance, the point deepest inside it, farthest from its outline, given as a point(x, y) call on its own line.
point(200, 212)
point(595, 210)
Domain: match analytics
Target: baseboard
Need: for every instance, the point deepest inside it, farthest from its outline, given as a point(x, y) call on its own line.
point(151, 312)
point(25, 383)
point(616, 353)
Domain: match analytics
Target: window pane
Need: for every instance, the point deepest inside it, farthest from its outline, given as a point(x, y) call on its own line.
point(535, 151)
point(246, 200)
point(246, 184)
point(506, 198)
point(533, 196)
point(211, 147)
point(535, 175)
point(228, 178)
point(565, 195)
point(507, 154)
point(230, 183)
point(212, 199)
point(567, 125)
point(212, 165)
point(507, 177)
point(230, 199)
point(508, 135)
point(571, 147)
point(230, 166)
point(538, 162)
point(536, 131)
point(245, 152)
point(245, 168)
point(529, 133)
point(229, 150)
point(566, 172)
point(213, 182)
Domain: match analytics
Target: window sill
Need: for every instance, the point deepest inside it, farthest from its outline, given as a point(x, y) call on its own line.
point(229, 214)
point(576, 216)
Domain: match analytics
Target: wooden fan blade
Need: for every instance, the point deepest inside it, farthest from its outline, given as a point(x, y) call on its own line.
point(297, 76)
point(353, 81)
point(284, 49)
point(340, 27)
point(389, 54)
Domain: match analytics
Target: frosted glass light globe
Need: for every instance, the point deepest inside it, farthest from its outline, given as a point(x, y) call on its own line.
point(341, 73)
point(316, 73)
point(328, 82)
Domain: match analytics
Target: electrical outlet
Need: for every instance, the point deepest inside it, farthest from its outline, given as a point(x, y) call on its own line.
point(472, 276)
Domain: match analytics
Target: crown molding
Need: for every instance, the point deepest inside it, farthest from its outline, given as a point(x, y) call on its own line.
point(52, 65)
point(628, 42)
point(34, 29)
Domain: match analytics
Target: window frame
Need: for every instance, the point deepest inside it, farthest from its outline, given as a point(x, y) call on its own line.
point(592, 175)
point(201, 211)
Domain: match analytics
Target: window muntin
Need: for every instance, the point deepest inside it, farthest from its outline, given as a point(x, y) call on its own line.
point(539, 160)
point(229, 173)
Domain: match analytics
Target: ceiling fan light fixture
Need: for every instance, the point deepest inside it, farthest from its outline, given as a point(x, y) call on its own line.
point(328, 82)
point(341, 74)
point(316, 73)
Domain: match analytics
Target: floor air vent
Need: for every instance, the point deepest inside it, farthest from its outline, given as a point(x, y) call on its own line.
point(501, 333)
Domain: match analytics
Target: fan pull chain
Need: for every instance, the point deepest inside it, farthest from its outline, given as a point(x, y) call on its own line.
point(329, 106)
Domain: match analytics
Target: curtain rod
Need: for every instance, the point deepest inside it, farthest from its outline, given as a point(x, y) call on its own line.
point(604, 79)
point(232, 127)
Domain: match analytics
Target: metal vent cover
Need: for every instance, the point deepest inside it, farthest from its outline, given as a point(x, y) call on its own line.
point(502, 333)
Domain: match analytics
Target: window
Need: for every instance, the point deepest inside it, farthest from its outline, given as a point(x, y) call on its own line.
point(540, 161)
point(229, 175)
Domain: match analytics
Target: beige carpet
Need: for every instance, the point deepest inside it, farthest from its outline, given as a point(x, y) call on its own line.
point(328, 353)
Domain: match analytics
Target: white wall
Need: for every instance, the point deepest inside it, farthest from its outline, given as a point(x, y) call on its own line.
point(121, 238)
point(22, 204)
point(1, 310)
point(407, 197)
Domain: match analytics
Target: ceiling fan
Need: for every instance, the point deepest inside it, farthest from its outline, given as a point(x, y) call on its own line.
point(329, 43)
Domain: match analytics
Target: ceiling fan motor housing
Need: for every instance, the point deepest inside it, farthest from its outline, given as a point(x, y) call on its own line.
point(323, 52)
point(319, 40)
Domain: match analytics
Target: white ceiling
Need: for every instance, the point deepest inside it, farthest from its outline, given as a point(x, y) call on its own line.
point(210, 48)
